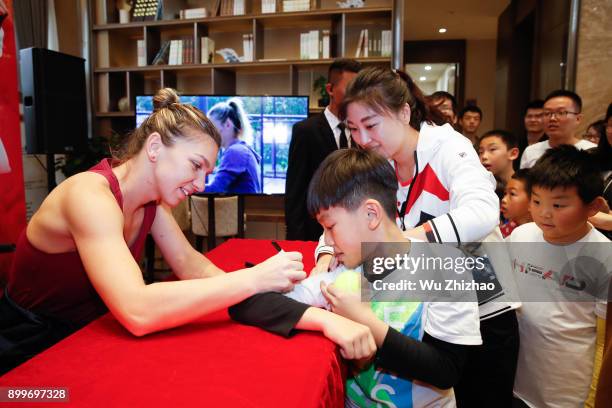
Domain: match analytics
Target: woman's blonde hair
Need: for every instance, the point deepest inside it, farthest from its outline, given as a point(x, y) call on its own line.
point(170, 118)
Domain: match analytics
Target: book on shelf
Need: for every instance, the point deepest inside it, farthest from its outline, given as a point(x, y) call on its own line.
point(140, 47)
point(230, 8)
point(268, 6)
point(176, 57)
point(362, 44)
point(227, 7)
point(216, 9)
point(207, 50)
point(325, 44)
point(200, 12)
point(303, 42)
point(247, 47)
point(239, 8)
point(296, 5)
point(187, 44)
point(181, 52)
point(386, 43)
point(172, 53)
point(314, 45)
point(370, 44)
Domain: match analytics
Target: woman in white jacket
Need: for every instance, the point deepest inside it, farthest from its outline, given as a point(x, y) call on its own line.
point(445, 195)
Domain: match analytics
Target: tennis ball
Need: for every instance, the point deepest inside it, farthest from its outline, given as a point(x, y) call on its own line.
point(349, 281)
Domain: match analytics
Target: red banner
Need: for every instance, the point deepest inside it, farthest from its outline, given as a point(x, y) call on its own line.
point(12, 195)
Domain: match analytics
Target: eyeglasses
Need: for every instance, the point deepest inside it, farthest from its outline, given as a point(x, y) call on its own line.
point(559, 114)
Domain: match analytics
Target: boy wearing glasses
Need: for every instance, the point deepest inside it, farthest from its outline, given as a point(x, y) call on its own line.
point(561, 119)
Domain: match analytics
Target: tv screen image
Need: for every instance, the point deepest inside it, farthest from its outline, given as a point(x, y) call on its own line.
point(271, 118)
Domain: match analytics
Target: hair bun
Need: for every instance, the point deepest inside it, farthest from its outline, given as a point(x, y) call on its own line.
point(164, 98)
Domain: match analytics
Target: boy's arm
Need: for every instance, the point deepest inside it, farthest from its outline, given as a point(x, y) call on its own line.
point(282, 315)
point(271, 311)
point(431, 360)
point(599, 349)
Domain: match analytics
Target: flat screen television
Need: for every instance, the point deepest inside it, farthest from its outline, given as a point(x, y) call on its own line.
point(272, 119)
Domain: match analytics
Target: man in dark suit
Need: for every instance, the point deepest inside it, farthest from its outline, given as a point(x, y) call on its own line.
point(311, 141)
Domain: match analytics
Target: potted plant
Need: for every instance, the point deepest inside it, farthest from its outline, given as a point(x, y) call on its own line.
point(319, 87)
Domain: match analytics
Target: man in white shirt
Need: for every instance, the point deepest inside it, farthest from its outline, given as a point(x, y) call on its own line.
point(561, 120)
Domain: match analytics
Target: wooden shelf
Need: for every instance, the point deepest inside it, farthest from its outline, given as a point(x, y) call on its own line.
point(277, 69)
point(261, 17)
point(238, 66)
point(115, 114)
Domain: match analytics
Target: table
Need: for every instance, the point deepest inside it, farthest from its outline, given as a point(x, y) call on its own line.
point(213, 362)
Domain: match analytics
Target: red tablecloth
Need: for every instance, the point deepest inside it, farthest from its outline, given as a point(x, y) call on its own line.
point(214, 362)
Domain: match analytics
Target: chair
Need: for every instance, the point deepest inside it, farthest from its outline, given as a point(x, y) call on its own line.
point(182, 216)
point(217, 218)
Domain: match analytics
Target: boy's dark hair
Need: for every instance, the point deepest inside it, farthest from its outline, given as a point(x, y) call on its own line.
point(444, 95)
point(470, 108)
point(568, 94)
point(341, 65)
point(565, 166)
point(508, 138)
point(522, 175)
point(535, 104)
point(347, 177)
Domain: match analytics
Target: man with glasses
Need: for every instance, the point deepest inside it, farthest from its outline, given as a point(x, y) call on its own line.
point(561, 120)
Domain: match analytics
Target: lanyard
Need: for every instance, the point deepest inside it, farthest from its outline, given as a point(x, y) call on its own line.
point(402, 210)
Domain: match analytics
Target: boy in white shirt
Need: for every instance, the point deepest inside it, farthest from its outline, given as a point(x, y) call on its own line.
point(562, 269)
point(422, 345)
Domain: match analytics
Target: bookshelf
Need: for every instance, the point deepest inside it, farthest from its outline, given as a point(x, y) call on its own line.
point(276, 67)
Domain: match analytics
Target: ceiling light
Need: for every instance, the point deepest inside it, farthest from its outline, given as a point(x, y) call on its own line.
point(422, 78)
point(427, 67)
point(442, 30)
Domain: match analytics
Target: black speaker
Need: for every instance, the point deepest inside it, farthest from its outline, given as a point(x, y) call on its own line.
point(54, 101)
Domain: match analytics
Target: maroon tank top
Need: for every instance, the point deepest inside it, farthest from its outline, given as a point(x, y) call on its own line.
point(56, 284)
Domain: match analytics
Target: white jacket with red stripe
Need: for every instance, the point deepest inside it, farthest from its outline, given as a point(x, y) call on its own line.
point(452, 190)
